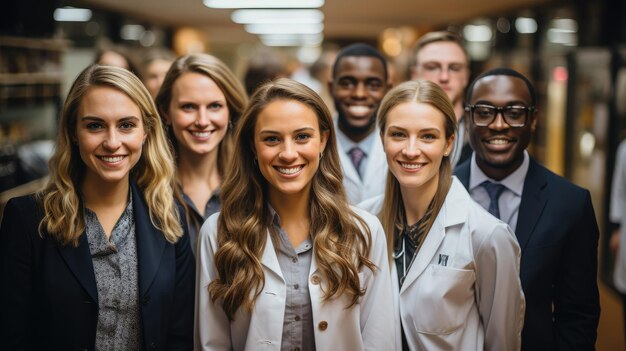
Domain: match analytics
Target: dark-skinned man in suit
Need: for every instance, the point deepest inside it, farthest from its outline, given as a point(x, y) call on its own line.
point(552, 218)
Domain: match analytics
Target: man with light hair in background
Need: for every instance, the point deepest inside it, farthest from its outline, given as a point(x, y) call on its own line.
point(441, 58)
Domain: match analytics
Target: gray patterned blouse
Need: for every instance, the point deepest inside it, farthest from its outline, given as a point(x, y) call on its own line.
point(115, 268)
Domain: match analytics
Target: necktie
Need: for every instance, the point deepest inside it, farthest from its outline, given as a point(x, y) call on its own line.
point(494, 190)
point(356, 156)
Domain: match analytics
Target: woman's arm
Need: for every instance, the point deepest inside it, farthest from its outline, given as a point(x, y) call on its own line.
point(212, 327)
point(500, 298)
point(181, 324)
point(16, 305)
point(378, 315)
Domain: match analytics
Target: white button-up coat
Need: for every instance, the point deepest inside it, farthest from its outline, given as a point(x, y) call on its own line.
point(368, 325)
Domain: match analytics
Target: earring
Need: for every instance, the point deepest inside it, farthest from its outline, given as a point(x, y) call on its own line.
point(321, 155)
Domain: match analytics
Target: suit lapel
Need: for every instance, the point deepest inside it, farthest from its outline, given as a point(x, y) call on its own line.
point(79, 261)
point(427, 251)
point(150, 242)
point(269, 258)
point(462, 171)
point(534, 198)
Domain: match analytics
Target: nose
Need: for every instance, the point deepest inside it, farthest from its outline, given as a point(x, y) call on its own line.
point(444, 74)
point(112, 141)
point(411, 149)
point(288, 152)
point(202, 120)
point(498, 122)
point(359, 90)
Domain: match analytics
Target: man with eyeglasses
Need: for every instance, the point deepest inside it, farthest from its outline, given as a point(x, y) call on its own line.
point(553, 219)
point(441, 58)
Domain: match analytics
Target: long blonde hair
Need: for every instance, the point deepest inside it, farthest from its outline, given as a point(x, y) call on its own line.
point(227, 82)
point(393, 214)
point(153, 173)
point(341, 239)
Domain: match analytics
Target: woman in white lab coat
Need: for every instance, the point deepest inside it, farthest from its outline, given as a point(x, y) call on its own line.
point(456, 266)
point(288, 264)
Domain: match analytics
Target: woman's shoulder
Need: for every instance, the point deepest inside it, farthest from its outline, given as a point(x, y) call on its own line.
point(30, 205)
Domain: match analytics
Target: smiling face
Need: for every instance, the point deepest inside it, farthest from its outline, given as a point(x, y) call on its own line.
point(444, 63)
point(358, 88)
point(500, 148)
point(198, 114)
point(288, 143)
point(415, 143)
point(109, 135)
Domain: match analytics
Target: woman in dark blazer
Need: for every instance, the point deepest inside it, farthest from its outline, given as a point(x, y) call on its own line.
point(99, 259)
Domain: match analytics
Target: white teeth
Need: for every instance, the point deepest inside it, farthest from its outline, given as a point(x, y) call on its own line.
point(498, 141)
point(359, 110)
point(412, 165)
point(201, 134)
point(289, 170)
point(112, 159)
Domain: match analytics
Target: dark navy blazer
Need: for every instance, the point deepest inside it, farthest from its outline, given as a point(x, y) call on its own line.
point(558, 234)
point(48, 293)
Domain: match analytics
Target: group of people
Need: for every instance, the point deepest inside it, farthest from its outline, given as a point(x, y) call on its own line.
point(201, 219)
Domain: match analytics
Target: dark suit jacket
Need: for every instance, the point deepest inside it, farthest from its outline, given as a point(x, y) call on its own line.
point(558, 235)
point(49, 298)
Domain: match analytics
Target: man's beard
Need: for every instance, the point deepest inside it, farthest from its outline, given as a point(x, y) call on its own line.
point(343, 123)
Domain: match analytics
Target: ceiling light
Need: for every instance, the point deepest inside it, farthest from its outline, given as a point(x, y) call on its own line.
point(72, 14)
point(525, 25)
point(261, 4)
point(564, 25)
point(304, 16)
point(292, 39)
point(256, 28)
point(477, 32)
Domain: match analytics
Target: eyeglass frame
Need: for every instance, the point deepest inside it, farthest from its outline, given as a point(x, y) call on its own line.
point(499, 111)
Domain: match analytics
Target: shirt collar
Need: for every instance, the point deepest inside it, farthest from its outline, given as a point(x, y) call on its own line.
point(365, 144)
point(514, 182)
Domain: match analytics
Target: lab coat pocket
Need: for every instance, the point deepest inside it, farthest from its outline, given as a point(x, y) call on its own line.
point(444, 299)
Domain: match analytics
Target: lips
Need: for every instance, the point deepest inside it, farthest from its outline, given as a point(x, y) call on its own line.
point(201, 134)
point(499, 143)
point(289, 170)
point(411, 166)
point(112, 159)
point(359, 110)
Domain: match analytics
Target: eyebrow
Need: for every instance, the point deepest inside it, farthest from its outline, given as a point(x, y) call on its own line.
point(295, 131)
point(421, 130)
point(98, 119)
point(508, 103)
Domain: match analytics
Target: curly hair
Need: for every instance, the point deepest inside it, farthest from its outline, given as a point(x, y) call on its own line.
point(153, 173)
point(341, 239)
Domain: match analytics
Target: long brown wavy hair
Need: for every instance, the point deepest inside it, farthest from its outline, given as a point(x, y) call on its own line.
point(341, 239)
point(393, 214)
point(154, 173)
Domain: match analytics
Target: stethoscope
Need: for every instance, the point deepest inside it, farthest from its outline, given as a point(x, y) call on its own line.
point(396, 255)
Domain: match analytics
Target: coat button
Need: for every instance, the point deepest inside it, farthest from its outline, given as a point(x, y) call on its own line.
point(153, 345)
point(315, 280)
point(145, 300)
point(323, 325)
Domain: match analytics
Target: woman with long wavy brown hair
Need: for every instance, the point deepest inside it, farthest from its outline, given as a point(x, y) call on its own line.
point(99, 259)
point(288, 264)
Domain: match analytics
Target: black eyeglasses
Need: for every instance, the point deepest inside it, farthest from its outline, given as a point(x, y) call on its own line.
point(484, 115)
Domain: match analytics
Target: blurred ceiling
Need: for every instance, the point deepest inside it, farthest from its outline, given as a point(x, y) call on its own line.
point(343, 18)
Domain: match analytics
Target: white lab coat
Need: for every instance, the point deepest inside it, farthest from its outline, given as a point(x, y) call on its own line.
point(475, 301)
point(374, 176)
point(368, 325)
